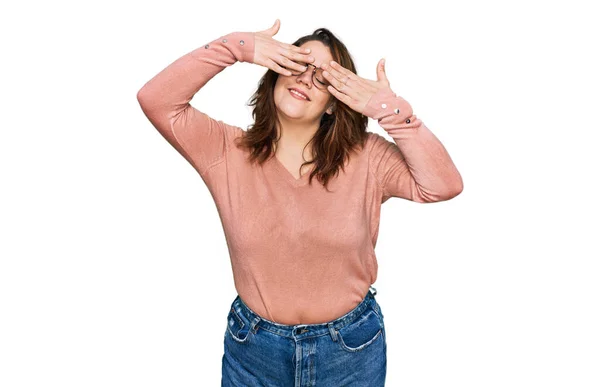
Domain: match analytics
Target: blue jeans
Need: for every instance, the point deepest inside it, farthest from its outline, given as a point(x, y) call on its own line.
point(348, 351)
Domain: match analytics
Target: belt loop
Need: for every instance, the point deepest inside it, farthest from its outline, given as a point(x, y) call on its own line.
point(375, 290)
point(332, 331)
point(254, 324)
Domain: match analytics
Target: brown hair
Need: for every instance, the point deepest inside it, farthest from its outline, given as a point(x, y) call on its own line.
point(338, 133)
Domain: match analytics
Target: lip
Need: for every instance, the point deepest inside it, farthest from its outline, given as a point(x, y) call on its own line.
point(301, 92)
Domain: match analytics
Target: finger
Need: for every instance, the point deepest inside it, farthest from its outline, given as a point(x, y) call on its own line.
point(296, 56)
point(277, 68)
point(275, 27)
point(338, 87)
point(291, 47)
point(354, 91)
point(355, 88)
point(339, 71)
point(336, 78)
point(338, 81)
point(339, 95)
point(270, 29)
point(334, 81)
point(291, 65)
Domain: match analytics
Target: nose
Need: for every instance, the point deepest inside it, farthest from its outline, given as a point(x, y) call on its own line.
point(306, 77)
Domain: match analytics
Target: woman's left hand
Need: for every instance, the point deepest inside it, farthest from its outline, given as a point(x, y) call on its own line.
point(351, 89)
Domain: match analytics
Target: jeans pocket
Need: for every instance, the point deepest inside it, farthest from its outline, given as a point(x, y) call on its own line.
point(362, 333)
point(238, 328)
point(377, 310)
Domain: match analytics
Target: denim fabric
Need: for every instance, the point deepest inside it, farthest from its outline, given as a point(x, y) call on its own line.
point(348, 351)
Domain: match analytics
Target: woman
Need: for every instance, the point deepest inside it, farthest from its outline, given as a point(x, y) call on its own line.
point(302, 254)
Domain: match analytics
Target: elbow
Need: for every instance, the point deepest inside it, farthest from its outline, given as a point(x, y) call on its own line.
point(456, 190)
point(144, 93)
point(140, 95)
point(427, 197)
point(147, 101)
point(458, 185)
point(454, 193)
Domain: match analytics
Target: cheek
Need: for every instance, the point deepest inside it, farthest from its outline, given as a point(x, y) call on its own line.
point(278, 94)
point(323, 103)
point(279, 88)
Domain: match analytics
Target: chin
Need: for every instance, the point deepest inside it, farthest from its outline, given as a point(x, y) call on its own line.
point(292, 112)
point(290, 107)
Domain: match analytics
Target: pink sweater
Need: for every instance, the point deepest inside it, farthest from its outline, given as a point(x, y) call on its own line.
point(299, 254)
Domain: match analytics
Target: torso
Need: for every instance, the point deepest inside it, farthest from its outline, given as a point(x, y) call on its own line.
point(292, 164)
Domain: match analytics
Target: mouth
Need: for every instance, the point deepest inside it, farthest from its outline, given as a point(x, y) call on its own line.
point(298, 94)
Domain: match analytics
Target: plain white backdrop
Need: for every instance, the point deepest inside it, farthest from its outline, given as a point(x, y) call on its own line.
point(114, 268)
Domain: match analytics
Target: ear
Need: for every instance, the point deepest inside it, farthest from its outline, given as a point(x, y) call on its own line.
point(330, 109)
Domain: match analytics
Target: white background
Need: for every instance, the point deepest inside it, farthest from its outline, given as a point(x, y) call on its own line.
point(114, 268)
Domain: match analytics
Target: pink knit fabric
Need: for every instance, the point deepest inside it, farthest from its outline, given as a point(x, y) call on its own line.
point(299, 254)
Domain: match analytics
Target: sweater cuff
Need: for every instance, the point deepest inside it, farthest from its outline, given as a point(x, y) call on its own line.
point(386, 103)
point(239, 44)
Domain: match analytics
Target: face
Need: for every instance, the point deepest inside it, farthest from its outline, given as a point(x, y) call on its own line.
point(293, 108)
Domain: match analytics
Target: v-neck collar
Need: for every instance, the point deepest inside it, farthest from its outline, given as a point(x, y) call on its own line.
point(281, 171)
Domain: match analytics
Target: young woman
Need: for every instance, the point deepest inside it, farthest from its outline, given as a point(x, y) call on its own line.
point(302, 254)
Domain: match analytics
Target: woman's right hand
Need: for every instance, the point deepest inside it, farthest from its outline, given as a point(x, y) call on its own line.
point(273, 54)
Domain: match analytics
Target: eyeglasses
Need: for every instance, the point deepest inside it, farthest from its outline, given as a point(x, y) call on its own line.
point(317, 76)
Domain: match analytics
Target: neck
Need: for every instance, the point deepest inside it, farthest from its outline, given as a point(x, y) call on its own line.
point(294, 136)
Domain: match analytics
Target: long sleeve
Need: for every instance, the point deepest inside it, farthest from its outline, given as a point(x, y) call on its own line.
point(416, 166)
point(165, 100)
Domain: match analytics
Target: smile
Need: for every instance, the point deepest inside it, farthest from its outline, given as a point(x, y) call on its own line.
point(297, 95)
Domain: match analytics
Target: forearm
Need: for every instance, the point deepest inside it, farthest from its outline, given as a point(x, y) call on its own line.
point(433, 173)
point(171, 90)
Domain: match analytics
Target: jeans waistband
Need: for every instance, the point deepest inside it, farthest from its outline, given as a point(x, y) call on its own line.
point(303, 330)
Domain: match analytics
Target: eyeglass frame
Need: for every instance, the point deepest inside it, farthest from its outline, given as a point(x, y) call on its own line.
point(313, 76)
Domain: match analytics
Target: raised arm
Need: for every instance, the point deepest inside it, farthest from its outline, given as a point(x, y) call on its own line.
point(416, 166)
point(165, 98)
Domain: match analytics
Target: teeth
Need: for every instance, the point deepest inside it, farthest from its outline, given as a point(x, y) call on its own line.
point(298, 94)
